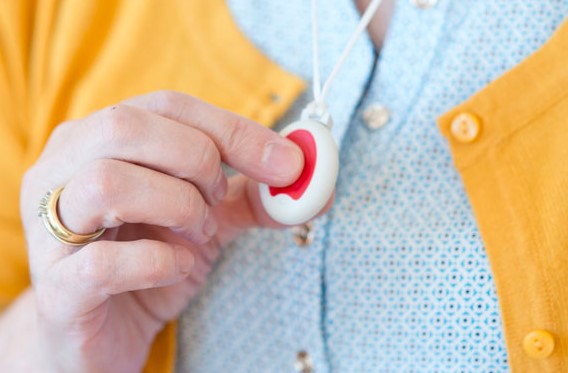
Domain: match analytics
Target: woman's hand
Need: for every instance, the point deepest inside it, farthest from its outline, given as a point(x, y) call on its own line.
point(148, 170)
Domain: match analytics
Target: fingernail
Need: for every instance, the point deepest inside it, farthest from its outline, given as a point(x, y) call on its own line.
point(185, 260)
point(283, 158)
point(220, 188)
point(209, 225)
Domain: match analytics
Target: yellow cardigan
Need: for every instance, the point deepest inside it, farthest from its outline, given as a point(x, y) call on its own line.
point(63, 60)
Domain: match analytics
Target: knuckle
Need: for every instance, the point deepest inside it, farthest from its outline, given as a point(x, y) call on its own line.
point(208, 159)
point(188, 219)
point(188, 205)
point(157, 272)
point(60, 140)
point(117, 125)
point(236, 136)
point(99, 183)
point(168, 102)
point(62, 130)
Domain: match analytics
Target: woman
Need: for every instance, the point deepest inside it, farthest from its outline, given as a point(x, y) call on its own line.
point(395, 277)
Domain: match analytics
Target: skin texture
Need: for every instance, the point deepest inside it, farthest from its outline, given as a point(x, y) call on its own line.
point(149, 170)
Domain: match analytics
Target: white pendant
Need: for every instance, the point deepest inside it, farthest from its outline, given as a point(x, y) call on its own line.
point(308, 195)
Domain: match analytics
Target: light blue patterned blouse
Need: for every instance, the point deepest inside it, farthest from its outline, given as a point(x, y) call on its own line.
point(396, 278)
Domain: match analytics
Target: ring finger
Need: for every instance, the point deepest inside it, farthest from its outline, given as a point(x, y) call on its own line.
point(109, 193)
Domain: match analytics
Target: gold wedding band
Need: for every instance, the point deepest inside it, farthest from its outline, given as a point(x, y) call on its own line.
point(48, 213)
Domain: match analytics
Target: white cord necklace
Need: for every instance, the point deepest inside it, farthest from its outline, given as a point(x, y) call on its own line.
point(319, 92)
point(306, 197)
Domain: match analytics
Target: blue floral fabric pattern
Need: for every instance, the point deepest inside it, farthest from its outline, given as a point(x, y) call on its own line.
point(396, 278)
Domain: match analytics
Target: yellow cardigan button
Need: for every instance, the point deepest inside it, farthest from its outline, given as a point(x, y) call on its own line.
point(465, 127)
point(539, 344)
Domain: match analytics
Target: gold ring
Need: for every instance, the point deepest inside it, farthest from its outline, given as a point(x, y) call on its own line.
point(48, 213)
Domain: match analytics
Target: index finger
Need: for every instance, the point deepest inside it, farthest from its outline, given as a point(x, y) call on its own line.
point(245, 145)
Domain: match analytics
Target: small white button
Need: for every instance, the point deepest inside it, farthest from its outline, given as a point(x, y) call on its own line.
point(424, 4)
point(304, 362)
point(376, 116)
point(303, 234)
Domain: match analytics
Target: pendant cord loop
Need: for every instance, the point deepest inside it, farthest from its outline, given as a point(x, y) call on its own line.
point(315, 108)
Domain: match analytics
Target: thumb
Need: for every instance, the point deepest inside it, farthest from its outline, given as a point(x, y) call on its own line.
point(242, 209)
